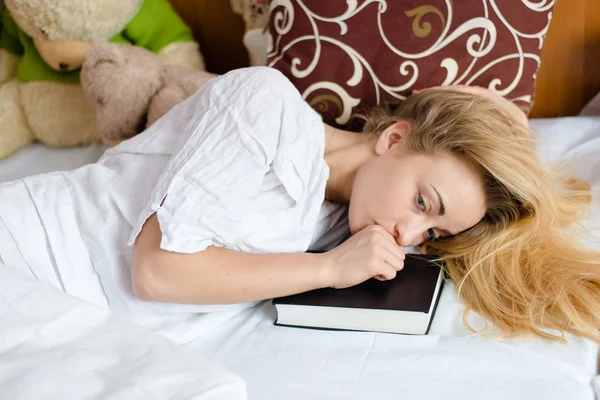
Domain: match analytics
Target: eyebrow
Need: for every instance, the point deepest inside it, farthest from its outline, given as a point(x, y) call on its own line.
point(442, 212)
point(442, 206)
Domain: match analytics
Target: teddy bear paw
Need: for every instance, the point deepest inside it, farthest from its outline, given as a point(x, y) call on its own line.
point(14, 130)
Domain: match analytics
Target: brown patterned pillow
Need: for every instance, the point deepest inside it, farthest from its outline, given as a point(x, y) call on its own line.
point(345, 57)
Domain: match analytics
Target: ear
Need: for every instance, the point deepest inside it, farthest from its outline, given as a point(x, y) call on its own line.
point(392, 136)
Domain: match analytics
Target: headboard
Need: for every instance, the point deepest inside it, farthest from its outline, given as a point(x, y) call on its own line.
point(568, 77)
point(570, 72)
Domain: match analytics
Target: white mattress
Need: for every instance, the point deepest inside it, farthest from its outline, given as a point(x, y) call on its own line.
point(449, 363)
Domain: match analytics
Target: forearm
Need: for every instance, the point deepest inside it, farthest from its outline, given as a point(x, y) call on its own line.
point(220, 276)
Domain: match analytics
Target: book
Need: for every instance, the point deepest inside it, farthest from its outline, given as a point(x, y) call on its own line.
point(405, 304)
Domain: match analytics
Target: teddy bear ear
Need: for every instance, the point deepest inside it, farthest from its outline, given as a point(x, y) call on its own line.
point(104, 52)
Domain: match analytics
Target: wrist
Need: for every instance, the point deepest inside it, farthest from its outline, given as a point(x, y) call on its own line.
point(324, 270)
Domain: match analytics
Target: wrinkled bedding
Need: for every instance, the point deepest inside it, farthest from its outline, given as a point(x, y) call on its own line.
point(54, 346)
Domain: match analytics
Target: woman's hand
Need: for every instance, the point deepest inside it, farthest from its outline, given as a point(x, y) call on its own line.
point(371, 253)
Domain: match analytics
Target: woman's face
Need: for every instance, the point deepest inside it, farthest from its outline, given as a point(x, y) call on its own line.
point(415, 197)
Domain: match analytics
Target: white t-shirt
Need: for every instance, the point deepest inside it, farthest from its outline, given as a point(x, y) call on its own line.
point(238, 165)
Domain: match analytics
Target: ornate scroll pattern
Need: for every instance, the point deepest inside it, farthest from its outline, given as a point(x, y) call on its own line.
point(347, 56)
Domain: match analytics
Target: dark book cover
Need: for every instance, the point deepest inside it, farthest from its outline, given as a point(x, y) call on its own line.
point(412, 290)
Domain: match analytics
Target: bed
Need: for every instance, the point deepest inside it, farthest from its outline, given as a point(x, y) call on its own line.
point(61, 347)
point(276, 362)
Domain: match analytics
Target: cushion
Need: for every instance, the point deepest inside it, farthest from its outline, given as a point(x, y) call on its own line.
point(345, 57)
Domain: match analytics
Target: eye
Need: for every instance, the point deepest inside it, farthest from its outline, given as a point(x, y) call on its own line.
point(430, 234)
point(44, 32)
point(420, 202)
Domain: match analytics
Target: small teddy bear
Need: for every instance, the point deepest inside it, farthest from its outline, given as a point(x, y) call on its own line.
point(42, 47)
point(130, 88)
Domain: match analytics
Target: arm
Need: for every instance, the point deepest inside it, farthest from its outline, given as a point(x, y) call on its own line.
point(195, 208)
point(217, 275)
point(222, 276)
point(199, 201)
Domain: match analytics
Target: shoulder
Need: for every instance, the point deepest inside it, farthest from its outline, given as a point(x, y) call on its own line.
point(256, 96)
point(261, 76)
point(264, 82)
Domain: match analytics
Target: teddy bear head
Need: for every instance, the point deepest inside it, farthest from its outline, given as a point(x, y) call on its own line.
point(120, 81)
point(62, 30)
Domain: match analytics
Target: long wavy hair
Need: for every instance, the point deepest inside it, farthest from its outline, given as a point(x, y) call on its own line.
point(522, 267)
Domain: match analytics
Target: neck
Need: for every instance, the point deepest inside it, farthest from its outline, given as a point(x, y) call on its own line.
point(345, 153)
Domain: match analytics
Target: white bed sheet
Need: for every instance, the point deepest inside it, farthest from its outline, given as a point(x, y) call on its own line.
point(54, 346)
point(450, 363)
point(37, 158)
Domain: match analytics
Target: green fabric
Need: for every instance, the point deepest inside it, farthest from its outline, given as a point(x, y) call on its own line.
point(9, 36)
point(154, 27)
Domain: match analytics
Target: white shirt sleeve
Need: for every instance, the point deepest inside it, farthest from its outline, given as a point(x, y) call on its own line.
point(229, 142)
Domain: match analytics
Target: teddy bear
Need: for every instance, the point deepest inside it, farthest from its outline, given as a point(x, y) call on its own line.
point(42, 47)
point(131, 88)
point(255, 14)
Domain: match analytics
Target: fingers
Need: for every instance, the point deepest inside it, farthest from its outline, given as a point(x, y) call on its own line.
point(377, 232)
point(394, 259)
point(387, 257)
point(386, 273)
point(392, 263)
point(392, 253)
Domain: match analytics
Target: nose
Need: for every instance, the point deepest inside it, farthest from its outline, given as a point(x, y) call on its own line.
point(63, 66)
point(406, 234)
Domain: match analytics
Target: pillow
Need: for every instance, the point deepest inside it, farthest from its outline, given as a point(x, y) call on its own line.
point(345, 57)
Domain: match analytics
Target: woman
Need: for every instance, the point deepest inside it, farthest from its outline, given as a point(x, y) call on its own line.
point(218, 201)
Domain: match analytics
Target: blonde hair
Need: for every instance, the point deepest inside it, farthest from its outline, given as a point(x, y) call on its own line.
point(521, 266)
